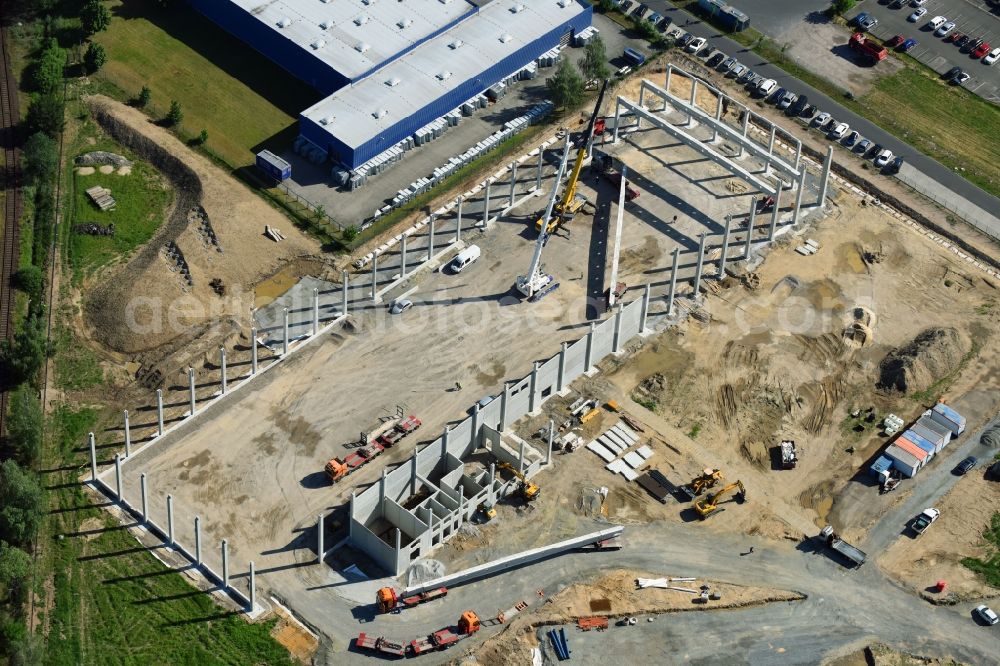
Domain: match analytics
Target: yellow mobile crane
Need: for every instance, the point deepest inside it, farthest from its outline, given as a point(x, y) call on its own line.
point(706, 507)
point(571, 202)
point(528, 490)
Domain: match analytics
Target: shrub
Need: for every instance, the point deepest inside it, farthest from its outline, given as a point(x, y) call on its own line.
point(175, 115)
point(20, 503)
point(94, 58)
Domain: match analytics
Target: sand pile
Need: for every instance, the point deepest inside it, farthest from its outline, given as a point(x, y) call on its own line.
point(933, 354)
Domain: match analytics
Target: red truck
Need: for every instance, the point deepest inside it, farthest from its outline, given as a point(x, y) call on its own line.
point(385, 646)
point(868, 47)
point(401, 430)
point(388, 600)
point(443, 639)
point(615, 178)
point(337, 469)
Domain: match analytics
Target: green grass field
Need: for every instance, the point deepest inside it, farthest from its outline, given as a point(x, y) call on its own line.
point(142, 198)
point(112, 602)
point(989, 568)
point(225, 87)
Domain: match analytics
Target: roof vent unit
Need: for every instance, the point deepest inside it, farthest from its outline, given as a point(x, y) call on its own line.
point(564, 3)
point(404, 23)
point(318, 44)
point(324, 25)
point(284, 22)
point(444, 75)
point(380, 113)
point(362, 47)
point(505, 37)
point(328, 120)
point(361, 20)
point(456, 44)
point(517, 9)
point(367, 2)
point(445, 2)
point(393, 82)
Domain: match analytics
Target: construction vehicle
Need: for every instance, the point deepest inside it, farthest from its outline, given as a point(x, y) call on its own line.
point(867, 47)
point(399, 431)
point(833, 540)
point(571, 201)
point(487, 512)
point(706, 507)
point(526, 489)
point(443, 639)
point(708, 478)
point(606, 170)
point(386, 646)
point(388, 600)
point(337, 469)
point(789, 454)
point(536, 283)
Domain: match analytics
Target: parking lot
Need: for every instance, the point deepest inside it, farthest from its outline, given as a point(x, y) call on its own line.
point(936, 53)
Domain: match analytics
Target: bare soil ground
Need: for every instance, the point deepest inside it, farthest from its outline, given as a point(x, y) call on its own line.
point(300, 643)
point(920, 561)
point(613, 595)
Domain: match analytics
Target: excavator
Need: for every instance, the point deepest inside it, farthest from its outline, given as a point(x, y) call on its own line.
point(708, 478)
point(572, 202)
point(528, 490)
point(706, 507)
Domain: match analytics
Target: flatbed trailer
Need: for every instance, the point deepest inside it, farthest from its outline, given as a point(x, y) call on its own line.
point(849, 551)
point(380, 644)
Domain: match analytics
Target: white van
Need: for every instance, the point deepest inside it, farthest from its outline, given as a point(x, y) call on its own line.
point(766, 87)
point(464, 258)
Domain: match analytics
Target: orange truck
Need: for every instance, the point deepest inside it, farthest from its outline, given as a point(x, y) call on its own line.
point(337, 469)
point(388, 600)
point(868, 47)
point(442, 639)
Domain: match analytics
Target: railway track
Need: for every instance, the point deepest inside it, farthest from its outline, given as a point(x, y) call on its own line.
point(9, 117)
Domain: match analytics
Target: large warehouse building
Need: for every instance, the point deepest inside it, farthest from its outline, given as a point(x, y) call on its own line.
point(390, 67)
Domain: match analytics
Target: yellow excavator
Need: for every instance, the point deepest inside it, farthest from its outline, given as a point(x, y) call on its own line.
point(706, 507)
point(528, 490)
point(572, 202)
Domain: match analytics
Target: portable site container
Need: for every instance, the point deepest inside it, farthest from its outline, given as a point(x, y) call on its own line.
point(949, 418)
point(273, 166)
point(905, 462)
point(911, 448)
point(879, 467)
point(932, 431)
point(920, 442)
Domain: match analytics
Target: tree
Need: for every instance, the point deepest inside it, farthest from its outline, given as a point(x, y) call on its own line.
point(95, 17)
point(31, 281)
point(203, 137)
point(350, 233)
point(24, 425)
point(605, 6)
point(94, 58)
point(142, 99)
point(14, 565)
point(594, 63)
point(46, 73)
point(22, 357)
point(566, 85)
point(41, 157)
point(840, 7)
point(45, 114)
point(20, 503)
point(175, 115)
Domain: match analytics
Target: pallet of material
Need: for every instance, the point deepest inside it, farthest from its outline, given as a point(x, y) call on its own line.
point(645, 452)
point(101, 197)
point(620, 467)
point(601, 451)
point(611, 444)
point(622, 442)
point(626, 432)
point(659, 492)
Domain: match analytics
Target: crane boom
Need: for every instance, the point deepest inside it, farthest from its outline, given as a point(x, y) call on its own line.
point(535, 280)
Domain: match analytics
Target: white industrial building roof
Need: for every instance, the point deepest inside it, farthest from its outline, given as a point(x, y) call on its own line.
point(354, 36)
point(357, 113)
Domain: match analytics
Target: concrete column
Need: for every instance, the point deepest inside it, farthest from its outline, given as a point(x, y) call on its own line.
point(444, 441)
point(616, 342)
point(513, 183)
point(770, 151)
point(222, 367)
point(399, 540)
point(128, 436)
point(825, 179)
point(284, 345)
point(343, 293)
point(159, 412)
point(746, 125)
point(253, 351)
point(430, 238)
point(694, 93)
point(458, 221)
point(798, 197)
point(698, 267)
point(725, 247)
point(381, 484)
point(197, 541)
point(93, 456)
point(461, 504)
point(552, 436)
point(642, 104)
point(145, 497)
point(561, 377)
point(618, 117)
point(538, 173)
point(486, 204)
point(118, 477)
point(533, 389)
point(170, 520)
point(413, 475)
point(588, 361)
point(774, 215)
point(673, 283)
point(520, 458)
point(475, 426)
point(718, 116)
point(493, 479)
point(319, 538)
point(253, 587)
point(666, 85)
point(374, 278)
point(402, 256)
point(315, 311)
point(225, 564)
point(504, 397)
point(750, 223)
point(191, 395)
point(645, 308)
point(798, 153)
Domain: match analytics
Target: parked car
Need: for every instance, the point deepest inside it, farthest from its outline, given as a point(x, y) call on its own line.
point(685, 39)
point(786, 100)
point(937, 22)
point(895, 41)
point(883, 158)
point(962, 42)
point(863, 16)
point(958, 39)
point(675, 34)
point(896, 164)
point(917, 15)
point(863, 146)
point(766, 87)
point(822, 119)
point(696, 44)
point(981, 50)
point(809, 111)
point(400, 305)
point(965, 466)
point(868, 23)
point(745, 77)
point(961, 78)
point(917, 3)
point(973, 45)
point(924, 520)
point(873, 151)
point(738, 71)
point(944, 29)
point(852, 139)
point(896, 4)
point(729, 63)
point(951, 73)
point(776, 96)
point(907, 45)
point(839, 131)
point(992, 56)
point(986, 615)
point(717, 59)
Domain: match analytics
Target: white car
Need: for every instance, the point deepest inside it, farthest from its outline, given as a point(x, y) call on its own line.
point(937, 22)
point(400, 306)
point(822, 119)
point(986, 615)
point(992, 56)
point(945, 29)
point(917, 3)
point(917, 15)
point(883, 158)
point(696, 45)
point(766, 87)
point(839, 131)
point(924, 520)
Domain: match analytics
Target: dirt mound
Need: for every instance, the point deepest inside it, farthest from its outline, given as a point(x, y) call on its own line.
point(991, 437)
point(932, 355)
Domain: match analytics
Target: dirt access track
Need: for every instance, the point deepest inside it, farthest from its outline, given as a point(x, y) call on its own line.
point(145, 308)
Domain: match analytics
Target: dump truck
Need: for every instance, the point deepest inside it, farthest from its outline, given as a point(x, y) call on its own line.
point(385, 646)
point(337, 469)
point(399, 431)
point(833, 540)
point(789, 454)
point(388, 599)
point(869, 48)
point(443, 639)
